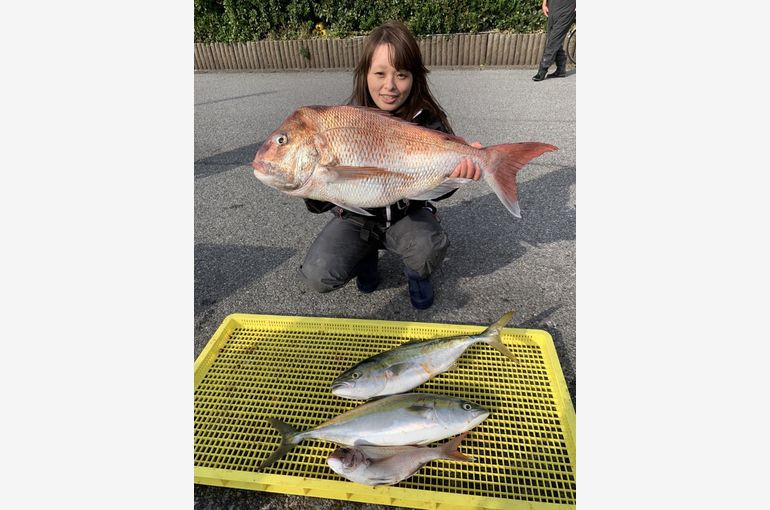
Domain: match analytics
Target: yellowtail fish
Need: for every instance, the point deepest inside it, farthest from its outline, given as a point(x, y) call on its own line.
point(408, 419)
point(413, 363)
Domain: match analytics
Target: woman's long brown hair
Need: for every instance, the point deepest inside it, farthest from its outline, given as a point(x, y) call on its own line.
point(406, 55)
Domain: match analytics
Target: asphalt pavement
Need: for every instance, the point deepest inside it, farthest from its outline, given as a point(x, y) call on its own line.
point(250, 239)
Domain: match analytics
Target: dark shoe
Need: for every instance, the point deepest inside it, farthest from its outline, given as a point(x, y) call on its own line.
point(561, 66)
point(557, 74)
point(420, 290)
point(540, 76)
point(367, 278)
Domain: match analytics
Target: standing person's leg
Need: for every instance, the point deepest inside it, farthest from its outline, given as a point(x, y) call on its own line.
point(421, 243)
point(548, 53)
point(558, 26)
point(334, 257)
point(561, 64)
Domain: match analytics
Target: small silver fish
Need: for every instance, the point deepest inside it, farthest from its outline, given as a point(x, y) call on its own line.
point(413, 363)
point(409, 419)
point(386, 465)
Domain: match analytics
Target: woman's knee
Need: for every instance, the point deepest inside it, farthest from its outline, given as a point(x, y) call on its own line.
point(318, 278)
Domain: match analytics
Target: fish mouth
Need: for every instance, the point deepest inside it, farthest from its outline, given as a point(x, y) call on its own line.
point(479, 417)
point(339, 454)
point(337, 386)
point(261, 168)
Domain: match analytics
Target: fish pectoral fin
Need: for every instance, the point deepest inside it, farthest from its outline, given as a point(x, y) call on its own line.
point(345, 173)
point(442, 189)
point(354, 209)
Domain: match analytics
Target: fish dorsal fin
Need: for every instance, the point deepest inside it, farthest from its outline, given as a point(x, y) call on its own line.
point(378, 397)
point(442, 189)
point(454, 138)
point(371, 109)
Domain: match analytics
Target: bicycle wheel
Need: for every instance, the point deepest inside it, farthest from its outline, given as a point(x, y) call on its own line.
point(571, 45)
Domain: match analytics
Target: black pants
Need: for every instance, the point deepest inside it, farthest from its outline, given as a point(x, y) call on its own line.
point(559, 21)
point(334, 256)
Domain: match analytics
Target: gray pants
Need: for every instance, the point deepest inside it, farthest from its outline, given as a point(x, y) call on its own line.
point(334, 256)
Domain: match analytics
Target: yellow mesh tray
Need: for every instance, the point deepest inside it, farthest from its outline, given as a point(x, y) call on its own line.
point(261, 366)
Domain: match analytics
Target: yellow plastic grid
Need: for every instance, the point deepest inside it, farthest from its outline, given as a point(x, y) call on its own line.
point(261, 366)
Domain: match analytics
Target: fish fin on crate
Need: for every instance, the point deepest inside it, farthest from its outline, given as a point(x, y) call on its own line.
point(449, 450)
point(354, 209)
point(505, 161)
point(491, 335)
point(288, 441)
point(442, 189)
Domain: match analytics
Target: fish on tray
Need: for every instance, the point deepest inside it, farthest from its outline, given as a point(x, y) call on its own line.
point(358, 157)
point(397, 420)
point(386, 465)
point(413, 363)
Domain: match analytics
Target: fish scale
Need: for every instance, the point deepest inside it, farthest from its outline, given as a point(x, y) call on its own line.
point(400, 154)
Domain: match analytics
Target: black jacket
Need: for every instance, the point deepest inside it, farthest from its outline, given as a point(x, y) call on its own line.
point(424, 118)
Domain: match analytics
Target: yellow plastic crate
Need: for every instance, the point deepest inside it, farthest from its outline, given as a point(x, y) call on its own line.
point(261, 366)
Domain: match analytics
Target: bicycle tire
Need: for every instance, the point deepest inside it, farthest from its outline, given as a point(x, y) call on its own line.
point(571, 46)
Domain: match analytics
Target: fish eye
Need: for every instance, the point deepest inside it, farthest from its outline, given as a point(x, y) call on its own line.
point(355, 375)
point(281, 139)
point(467, 406)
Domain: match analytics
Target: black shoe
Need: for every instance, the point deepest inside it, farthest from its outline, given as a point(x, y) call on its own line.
point(420, 290)
point(367, 278)
point(561, 66)
point(540, 74)
point(559, 73)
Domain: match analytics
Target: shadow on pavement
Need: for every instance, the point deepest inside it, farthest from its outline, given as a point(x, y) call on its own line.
point(265, 93)
point(225, 161)
point(221, 270)
point(547, 218)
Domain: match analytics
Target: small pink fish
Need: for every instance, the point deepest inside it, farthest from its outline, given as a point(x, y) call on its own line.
point(386, 465)
point(359, 158)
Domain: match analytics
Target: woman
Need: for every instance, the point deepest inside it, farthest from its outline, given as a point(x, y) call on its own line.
point(390, 76)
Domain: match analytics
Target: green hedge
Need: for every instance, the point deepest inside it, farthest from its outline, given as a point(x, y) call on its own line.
point(252, 20)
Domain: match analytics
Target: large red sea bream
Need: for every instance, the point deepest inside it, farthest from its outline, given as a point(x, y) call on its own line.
point(359, 158)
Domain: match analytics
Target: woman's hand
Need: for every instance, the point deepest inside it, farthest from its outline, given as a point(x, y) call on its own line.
point(466, 169)
point(545, 8)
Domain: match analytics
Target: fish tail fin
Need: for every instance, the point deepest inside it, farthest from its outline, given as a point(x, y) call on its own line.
point(449, 450)
point(491, 335)
point(504, 162)
point(289, 440)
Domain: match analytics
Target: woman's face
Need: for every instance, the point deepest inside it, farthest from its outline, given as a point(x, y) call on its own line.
point(388, 86)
